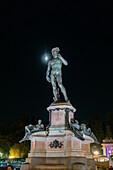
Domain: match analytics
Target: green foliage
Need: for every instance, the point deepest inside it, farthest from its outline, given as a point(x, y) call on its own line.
point(19, 150)
point(108, 132)
point(19, 127)
point(11, 136)
point(34, 119)
point(24, 149)
point(19, 130)
point(9, 127)
point(97, 129)
point(109, 122)
point(109, 118)
point(5, 144)
point(0, 128)
point(15, 151)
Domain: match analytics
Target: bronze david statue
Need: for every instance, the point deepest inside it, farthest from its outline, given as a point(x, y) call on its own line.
point(54, 74)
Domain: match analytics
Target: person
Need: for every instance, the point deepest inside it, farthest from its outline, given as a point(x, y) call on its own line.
point(54, 74)
point(32, 128)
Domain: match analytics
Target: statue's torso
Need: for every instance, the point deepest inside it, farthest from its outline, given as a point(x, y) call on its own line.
point(56, 65)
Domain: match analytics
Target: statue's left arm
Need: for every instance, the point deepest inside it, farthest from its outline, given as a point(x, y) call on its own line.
point(63, 60)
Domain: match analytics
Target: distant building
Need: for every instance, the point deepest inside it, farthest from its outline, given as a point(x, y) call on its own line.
point(107, 147)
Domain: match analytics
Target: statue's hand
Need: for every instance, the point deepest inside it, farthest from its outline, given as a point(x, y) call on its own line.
point(48, 79)
point(62, 59)
point(59, 56)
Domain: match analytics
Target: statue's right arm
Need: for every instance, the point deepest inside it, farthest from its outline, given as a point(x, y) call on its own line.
point(63, 60)
point(48, 71)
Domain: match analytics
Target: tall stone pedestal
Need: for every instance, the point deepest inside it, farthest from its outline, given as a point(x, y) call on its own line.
point(58, 148)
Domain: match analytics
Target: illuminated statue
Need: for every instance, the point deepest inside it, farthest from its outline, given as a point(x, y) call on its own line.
point(32, 128)
point(89, 133)
point(80, 130)
point(75, 127)
point(54, 74)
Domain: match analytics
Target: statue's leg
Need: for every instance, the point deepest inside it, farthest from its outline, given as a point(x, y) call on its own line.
point(24, 138)
point(62, 88)
point(53, 82)
point(27, 129)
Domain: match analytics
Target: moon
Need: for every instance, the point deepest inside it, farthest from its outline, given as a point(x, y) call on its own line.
point(46, 58)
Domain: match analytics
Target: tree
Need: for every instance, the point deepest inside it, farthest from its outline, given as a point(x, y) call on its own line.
point(108, 132)
point(19, 127)
point(5, 144)
point(97, 129)
point(25, 118)
point(19, 130)
point(9, 127)
point(15, 151)
point(109, 121)
point(34, 119)
point(19, 150)
point(25, 149)
point(0, 128)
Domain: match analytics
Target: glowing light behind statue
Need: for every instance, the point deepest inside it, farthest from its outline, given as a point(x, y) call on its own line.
point(46, 57)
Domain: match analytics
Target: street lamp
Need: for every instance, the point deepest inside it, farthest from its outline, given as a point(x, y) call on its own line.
point(96, 153)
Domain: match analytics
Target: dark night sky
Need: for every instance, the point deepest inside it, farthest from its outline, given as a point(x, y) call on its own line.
point(83, 31)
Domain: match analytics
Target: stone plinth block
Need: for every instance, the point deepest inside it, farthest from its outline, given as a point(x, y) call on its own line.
point(60, 115)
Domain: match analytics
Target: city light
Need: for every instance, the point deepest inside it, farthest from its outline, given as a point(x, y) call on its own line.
point(11, 157)
point(96, 153)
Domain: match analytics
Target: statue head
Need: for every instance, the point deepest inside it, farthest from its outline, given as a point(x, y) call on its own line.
point(76, 121)
point(30, 125)
point(39, 121)
point(55, 52)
